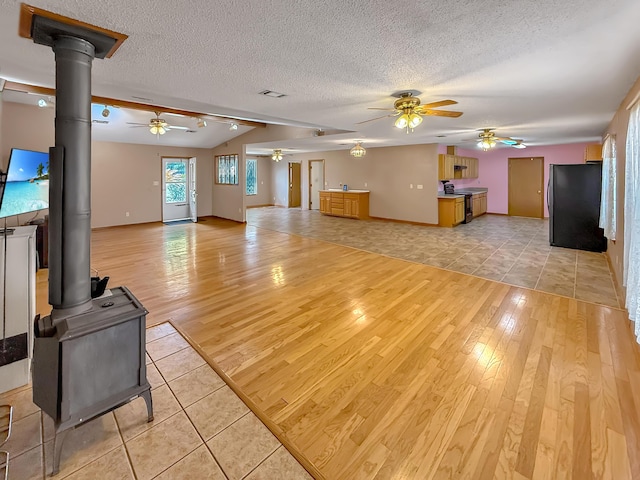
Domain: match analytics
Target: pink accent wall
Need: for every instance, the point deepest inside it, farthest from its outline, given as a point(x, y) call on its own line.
point(493, 169)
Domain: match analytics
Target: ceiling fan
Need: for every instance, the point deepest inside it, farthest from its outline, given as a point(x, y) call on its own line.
point(410, 112)
point(487, 140)
point(157, 126)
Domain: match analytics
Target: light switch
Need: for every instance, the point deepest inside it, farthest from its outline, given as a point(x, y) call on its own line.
point(156, 183)
point(365, 184)
point(411, 185)
point(419, 187)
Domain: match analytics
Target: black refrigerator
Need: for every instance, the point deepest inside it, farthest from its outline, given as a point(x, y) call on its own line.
point(573, 198)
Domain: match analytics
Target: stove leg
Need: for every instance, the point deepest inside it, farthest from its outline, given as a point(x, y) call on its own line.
point(147, 398)
point(58, 439)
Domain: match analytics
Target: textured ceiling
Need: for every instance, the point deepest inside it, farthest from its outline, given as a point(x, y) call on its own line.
point(545, 71)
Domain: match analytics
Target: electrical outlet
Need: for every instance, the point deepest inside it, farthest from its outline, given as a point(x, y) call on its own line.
point(365, 184)
point(126, 214)
point(411, 185)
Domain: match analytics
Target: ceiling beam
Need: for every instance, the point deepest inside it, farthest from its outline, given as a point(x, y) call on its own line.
point(146, 107)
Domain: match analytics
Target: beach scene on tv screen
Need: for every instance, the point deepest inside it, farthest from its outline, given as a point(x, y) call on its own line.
point(27, 187)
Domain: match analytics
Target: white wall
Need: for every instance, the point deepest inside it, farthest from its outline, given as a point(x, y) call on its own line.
point(388, 172)
point(263, 197)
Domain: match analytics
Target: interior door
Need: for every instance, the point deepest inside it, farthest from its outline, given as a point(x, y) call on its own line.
point(526, 187)
point(175, 204)
point(193, 194)
point(316, 183)
point(295, 194)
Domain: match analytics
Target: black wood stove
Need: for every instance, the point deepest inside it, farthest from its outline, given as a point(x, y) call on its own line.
point(89, 354)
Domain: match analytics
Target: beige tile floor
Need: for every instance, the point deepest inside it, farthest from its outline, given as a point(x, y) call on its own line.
point(513, 250)
point(201, 430)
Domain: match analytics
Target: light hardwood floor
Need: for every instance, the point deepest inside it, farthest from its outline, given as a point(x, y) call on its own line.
point(380, 368)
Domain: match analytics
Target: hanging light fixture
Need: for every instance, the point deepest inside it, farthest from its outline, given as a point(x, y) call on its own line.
point(202, 122)
point(42, 103)
point(234, 126)
point(409, 119)
point(487, 143)
point(358, 150)
point(277, 155)
point(105, 112)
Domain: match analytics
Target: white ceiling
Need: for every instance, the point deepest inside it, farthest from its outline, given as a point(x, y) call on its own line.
point(545, 71)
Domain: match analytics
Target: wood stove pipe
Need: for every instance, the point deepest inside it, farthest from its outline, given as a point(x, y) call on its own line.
point(70, 179)
point(75, 45)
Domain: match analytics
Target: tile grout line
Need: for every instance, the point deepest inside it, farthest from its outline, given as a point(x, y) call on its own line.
point(204, 442)
point(542, 270)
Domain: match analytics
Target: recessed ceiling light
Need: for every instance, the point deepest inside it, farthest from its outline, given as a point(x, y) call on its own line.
point(271, 93)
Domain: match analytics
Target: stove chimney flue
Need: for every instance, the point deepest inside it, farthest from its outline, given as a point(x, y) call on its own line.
point(70, 179)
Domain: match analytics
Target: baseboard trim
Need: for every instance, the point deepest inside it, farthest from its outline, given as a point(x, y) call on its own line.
point(260, 206)
point(394, 220)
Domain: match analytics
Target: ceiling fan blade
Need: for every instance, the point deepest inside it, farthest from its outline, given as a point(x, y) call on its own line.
point(377, 118)
point(441, 113)
point(176, 127)
point(441, 103)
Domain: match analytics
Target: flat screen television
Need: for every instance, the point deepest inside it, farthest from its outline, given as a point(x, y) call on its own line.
point(27, 183)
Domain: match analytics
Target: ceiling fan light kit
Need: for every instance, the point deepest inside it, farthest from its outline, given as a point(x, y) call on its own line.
point(410, 112)
point(358, 150)
point(277, 155)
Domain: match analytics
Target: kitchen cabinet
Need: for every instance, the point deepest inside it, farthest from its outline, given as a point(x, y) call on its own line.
point(593, 152)
point(447, 170)
point(325, 202)
point(479, 204)
point(450, 211)
point(445, 167)
point(352, 204)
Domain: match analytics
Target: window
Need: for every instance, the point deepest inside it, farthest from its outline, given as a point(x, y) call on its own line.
point(609, 201)
point(632, 219)
point(227, 169)
point(252, 177)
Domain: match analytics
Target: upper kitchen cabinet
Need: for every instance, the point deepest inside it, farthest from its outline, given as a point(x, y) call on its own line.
point(455, 166)
point(593, 152)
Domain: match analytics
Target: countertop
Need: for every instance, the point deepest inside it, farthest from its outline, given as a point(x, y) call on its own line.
point(344, 191)
point(460, 192)
point(450, 195)
point(472, 190)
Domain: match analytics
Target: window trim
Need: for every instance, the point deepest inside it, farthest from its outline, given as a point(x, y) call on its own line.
point(246, 187)
point(231, 156)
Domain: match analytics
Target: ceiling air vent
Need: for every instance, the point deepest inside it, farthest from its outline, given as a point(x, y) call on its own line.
point(271, 93)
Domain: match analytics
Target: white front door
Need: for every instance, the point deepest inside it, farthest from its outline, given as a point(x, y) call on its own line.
point(193, 194)
point(175, 204)
point(316, 183)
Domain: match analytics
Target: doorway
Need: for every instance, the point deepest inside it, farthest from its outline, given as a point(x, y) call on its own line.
point(316, 183)
point(526, 187)
point(179, 195)
point(295, 190)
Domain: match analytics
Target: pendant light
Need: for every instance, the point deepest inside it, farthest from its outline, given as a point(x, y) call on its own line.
point(358, 150)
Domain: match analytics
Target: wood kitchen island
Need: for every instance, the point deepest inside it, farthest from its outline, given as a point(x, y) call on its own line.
point(345, 203)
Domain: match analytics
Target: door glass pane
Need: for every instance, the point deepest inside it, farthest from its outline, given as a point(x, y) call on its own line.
point(175, 174)
point(176, 192)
